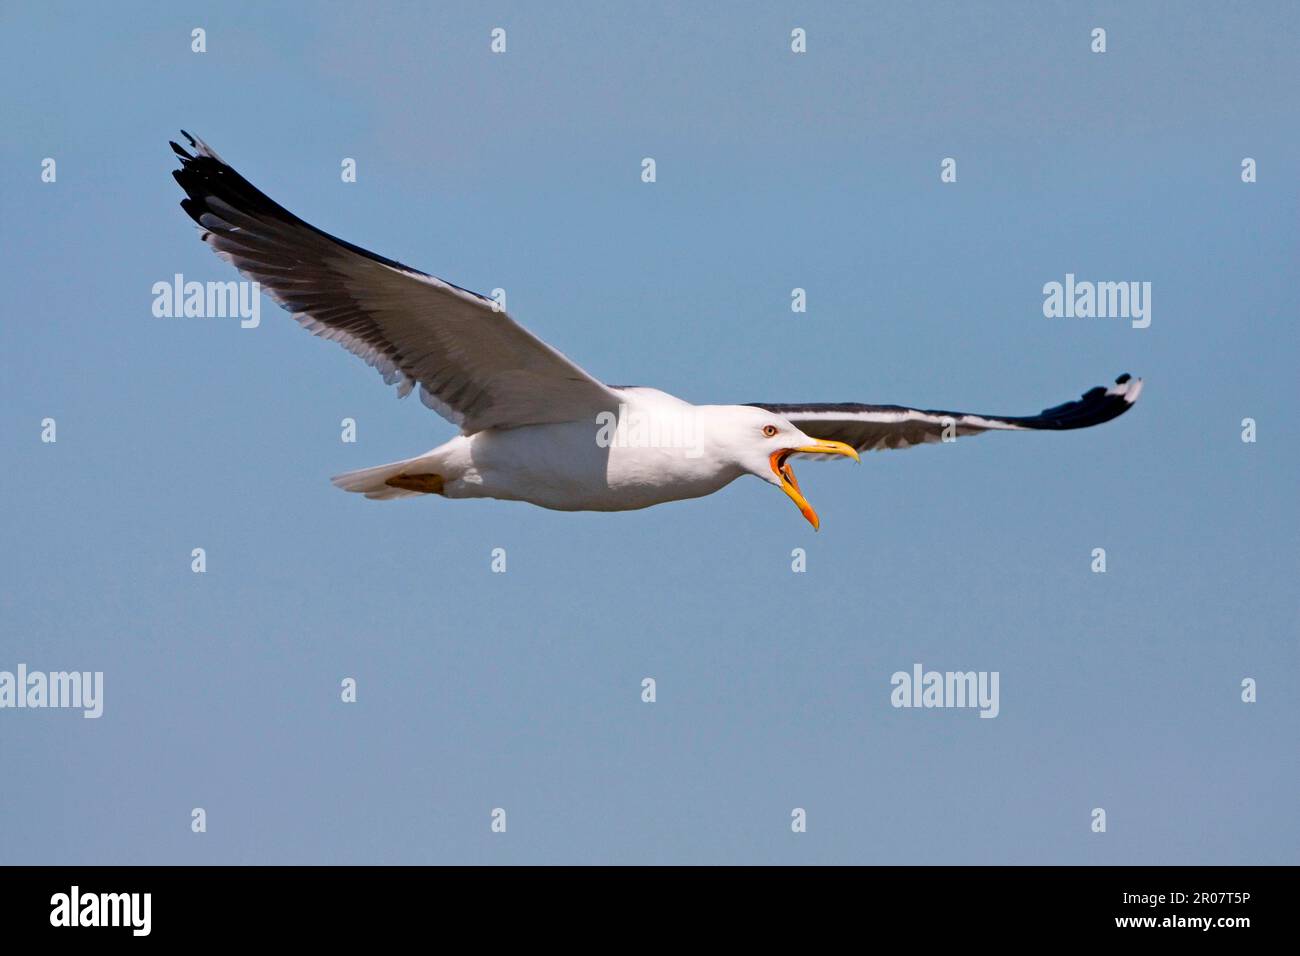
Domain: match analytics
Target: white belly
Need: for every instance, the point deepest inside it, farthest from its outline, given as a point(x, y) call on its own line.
point(564, 467)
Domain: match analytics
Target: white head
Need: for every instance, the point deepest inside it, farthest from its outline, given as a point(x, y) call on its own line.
point(760, 442)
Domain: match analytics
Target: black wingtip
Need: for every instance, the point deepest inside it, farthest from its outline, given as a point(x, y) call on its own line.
point(1097, 405)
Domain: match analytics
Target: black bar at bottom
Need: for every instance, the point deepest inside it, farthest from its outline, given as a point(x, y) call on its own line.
point(370, 904)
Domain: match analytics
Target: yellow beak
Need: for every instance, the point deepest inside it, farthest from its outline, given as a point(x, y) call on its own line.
point(790, 485)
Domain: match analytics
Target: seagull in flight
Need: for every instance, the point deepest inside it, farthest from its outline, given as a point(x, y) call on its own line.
point(534, 426)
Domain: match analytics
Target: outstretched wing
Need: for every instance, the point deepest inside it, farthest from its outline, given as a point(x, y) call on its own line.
point(473, 364)
point(879, 427)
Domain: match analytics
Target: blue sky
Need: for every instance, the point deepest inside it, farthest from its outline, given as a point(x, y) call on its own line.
point(522, 690)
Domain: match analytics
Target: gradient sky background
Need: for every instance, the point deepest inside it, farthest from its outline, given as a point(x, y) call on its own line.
point(522, 690)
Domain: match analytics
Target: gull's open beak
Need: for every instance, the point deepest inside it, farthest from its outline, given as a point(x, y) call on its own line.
point(790, 485)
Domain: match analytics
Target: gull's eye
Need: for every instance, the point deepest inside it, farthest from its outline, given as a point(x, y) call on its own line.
point(769, 431)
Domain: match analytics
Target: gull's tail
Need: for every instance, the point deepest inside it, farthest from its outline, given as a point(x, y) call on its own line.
point(398, 479)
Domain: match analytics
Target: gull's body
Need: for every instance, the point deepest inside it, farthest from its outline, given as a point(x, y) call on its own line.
point(563, 467)
point(534, 426)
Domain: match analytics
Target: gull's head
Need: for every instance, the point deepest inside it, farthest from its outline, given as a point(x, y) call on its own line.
point(763, 443)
